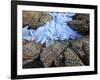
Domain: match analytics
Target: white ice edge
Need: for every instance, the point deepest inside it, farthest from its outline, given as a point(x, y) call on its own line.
point(56, 29)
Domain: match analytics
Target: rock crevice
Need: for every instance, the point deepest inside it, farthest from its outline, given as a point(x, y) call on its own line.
point(61, 53)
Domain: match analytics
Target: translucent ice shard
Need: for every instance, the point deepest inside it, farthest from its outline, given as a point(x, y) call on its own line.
point(56, 29)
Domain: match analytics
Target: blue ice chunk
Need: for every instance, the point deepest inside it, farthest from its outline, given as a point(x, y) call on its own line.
point(62, 18)
point(49, 42)
point(56, 29)
point(70, 14)
point(28, 34)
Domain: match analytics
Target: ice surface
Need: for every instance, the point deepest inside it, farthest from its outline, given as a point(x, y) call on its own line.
point(28, 34)
point(56, 29)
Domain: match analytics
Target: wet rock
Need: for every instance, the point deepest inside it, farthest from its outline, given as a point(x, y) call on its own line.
point(81, 23)
point(31, 51)
point(81, 47)
point(51, 53)
point(72, 59)
point(35, 18)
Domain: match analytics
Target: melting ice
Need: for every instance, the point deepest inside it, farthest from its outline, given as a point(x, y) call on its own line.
point(56, 29)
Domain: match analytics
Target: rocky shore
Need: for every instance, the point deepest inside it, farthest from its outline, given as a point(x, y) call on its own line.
point(61, 53)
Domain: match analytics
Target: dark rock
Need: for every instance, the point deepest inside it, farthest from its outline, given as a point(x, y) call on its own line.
point(79, 26)
point(35, 18)
point(31, 51)
point(24, 42)
point(81, 47)
point(80, 23)
point(51, 53)
point(82, 16)
point(72, 59)
point(37, 63)
point(60, 61)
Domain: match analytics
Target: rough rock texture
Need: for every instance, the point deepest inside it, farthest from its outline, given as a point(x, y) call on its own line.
point(60, 61)
point(80, 23)
point(31, 51)
point(81, 47)
point(35, 18)
point(71, 58)
point(61, 53)
point(73, 53)
point(51, 53)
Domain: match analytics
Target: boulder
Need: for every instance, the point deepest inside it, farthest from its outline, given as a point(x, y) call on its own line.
point(80, 23)
point(24, 42)
point(60, 61)
point(72, 59)
point(51, 53)
point(31, 51)
point(82, 16)
point(81, 47)
point(35, 18)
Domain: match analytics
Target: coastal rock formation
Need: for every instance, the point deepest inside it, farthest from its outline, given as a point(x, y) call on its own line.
point(81, 47)
point(60, 53)
point(35, 18)
point(60, 61)
point(51, 53)
point(80, 23)
point(71, 58)
point(74, 53)
point(31, 51)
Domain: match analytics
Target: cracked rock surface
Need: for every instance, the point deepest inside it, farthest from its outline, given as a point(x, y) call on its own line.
point(61, 53)
point(80, 23)
point(57, 55)
point(51, 53)
point(31, 51)
point(35, 18)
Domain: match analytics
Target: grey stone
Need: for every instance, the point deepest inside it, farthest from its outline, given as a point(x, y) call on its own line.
point(81, 23)
point(82, 48)
point(35, 18)
point(60, 61)
point(31, 51)
point(51, 53)
point(72, 59)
